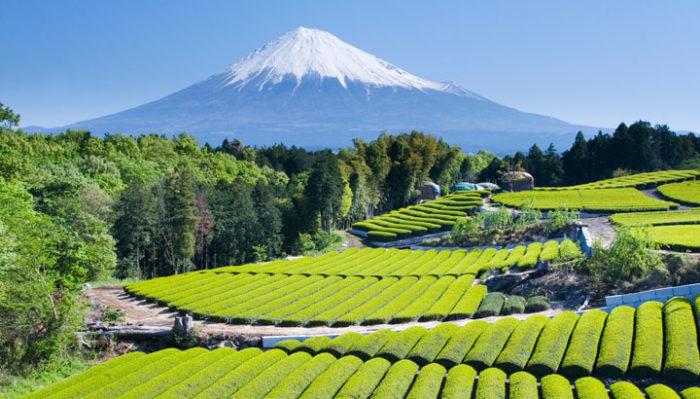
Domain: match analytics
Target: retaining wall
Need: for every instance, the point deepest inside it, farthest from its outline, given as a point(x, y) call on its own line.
point(659, 294)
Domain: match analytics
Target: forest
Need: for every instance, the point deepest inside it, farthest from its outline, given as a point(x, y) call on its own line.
point(78, 208)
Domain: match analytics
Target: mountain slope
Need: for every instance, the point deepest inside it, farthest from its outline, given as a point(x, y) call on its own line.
point(310, 88)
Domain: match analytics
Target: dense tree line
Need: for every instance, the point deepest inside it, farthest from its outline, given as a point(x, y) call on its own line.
point(639, 147)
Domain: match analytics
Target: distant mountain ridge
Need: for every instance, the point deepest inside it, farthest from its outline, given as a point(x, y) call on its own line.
point(309, 88)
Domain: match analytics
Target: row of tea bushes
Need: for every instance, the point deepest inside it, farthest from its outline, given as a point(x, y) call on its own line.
point(253, 374)
point(655, 340)
point(638, 180)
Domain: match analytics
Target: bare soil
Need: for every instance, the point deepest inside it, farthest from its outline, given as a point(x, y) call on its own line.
point(141, 312)
point(600, 229)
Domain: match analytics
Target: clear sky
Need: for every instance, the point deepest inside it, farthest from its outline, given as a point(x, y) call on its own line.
point(587, 62)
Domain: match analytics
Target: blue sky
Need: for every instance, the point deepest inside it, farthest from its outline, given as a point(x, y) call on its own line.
point(587, 62)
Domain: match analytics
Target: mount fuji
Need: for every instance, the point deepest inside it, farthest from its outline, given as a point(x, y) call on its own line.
point(309, 88)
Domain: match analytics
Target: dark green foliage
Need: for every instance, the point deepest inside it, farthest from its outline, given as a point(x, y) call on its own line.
point(491, 305)
point(536, 304)
point(513, 304)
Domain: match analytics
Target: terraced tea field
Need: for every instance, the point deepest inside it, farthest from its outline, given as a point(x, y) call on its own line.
point(586, 200)
point(368, 286)
point(654, 341)
point(656, 218)
point(685, 193)
point(479, 360)
point(638, 180)
point(416, 220)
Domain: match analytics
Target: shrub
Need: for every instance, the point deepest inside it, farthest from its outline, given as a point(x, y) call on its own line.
point(432, 343)
point(660, 391)
point(288, 345)
point(428, 382)
point(523, 386)
point(682, 361)
point(581, 353)
point(550, 250)
point(365, 379)
point(626, 259)
point(313, 345)
point(397, 381)
point(459, 383)
point(519, 347)
point(442, 307)
point(382, 236)
point(398, 346)
point(329, 382)
point(616, 343)
point(200, 381)
point(490, 343)
point(537, 304)
point(386, 313)
point(422, 303)
point(295, 384)
point(372, 344)
point(491, 305)
point(552, 344)
point(240, 376)
point(513, 304)
point(590, 388)
point(344, 343)
point(461, 342)
point(626, 390)
point(469, 303)
point(556, 387)
point(491, 385)
point(648, 350)
point(691, 393)
point(265, 381)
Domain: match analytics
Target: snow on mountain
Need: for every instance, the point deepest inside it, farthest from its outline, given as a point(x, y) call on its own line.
point(309, 88)
point(305, 51)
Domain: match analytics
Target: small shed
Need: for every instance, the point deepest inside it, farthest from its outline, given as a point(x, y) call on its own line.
point(429, 191)
point(517, 181)
point(465, 186)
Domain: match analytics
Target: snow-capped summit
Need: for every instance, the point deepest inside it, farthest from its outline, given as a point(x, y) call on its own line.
point(303, 52)
point(309, 88)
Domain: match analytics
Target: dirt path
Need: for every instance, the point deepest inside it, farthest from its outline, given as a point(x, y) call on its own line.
point(140, 312)
point(600, 229)
point(354, 241)
point(653, 193)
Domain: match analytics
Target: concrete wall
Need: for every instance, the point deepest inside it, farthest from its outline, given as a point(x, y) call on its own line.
point(659, 294)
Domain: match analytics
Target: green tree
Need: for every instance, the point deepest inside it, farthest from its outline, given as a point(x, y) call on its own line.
point(324, 190)
point(178, 220)
point(8, 118)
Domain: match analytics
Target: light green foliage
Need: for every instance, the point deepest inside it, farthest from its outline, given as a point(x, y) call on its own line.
point(428, 382)
point(523, 385)
point(521, 343)
point(490, 343)
point(580, 356)
point(365, 379)
point(681, 361)
point(552, 343)
point(491, 385)
point(686, 192)
point(648, 349)
point(590, 388)
point(556, 387)
point(625, 390)
point(459, 383)
point(660, 391)
point(397, 380)
point(616, 342)
point(586, 200)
